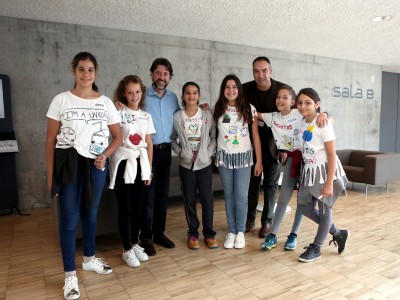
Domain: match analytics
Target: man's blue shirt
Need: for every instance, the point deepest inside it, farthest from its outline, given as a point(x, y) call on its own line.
point(162, 111)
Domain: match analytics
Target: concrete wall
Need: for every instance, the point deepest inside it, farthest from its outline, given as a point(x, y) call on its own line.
point(36, 56)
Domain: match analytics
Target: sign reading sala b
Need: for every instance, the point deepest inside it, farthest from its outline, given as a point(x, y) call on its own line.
point(350, 92)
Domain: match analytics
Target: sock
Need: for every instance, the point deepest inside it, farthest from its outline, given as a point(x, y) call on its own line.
point(87, 259)
point(68, 274)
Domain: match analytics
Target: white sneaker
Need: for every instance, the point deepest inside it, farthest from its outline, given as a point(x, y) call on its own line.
point(71, 289)
point(130, 258)
point(240, 242)
point(97, 265)
point(140, 254)
point(230, 240)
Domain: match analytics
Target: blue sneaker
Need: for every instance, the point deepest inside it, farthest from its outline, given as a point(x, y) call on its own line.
point(270, 242)
point(291, 242)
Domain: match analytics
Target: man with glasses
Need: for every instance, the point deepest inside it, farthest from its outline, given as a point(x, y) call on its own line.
point(161, 104)
point(261, 93)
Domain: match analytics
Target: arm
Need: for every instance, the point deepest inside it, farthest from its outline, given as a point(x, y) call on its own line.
point(331, 169)
point(213, 137)
point(174, 140)
point(53, 128)
point(149, 142)
point(116, 142)
point(258, 168)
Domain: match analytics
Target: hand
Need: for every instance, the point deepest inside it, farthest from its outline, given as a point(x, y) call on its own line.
point(282, 157)
point(322, 120)
point(100, 162)
point(119, 105)
point(327, 191)
point(205, 106)
point(148, 182)
point(258, 168)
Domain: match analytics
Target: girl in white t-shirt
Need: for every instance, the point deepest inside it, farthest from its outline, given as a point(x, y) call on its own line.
point(130, 165)
point(236, 120)
point(322, 178)
point(284, 125)
point(193, 140)
point(77, 146)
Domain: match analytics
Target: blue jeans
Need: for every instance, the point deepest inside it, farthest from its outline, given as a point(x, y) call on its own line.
point(72, 208)
point(155, 202)
point(236, 186)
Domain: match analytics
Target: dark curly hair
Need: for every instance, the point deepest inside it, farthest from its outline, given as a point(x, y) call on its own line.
point(120, 91)
point(242, 105)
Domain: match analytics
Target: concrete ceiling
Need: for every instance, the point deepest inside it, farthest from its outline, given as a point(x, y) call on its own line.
point(338, 29)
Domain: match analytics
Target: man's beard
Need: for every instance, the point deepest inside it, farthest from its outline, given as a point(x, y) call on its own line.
point(160, 87)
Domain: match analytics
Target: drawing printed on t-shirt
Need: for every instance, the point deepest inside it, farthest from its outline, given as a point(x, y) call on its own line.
point(98, 140)
point(244, 131)
point(66, 137)
point(235, 142)
point(226, 119)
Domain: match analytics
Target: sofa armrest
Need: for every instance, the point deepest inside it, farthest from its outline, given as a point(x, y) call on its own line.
point(344, 156)
point(381, 168)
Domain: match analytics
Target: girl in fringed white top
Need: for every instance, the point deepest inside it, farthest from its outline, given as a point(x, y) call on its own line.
point(322, 178)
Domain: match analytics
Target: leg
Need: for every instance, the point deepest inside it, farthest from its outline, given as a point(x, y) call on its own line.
point(227, 183)
point(189, 193)
point(136, 206)
point(161, 174)
point(89, 214)
point(288, 185)
point(253, 196)
point(124, 195)
point(69, 197)
point(270, 184)
point(204, 183)
point(241, 180)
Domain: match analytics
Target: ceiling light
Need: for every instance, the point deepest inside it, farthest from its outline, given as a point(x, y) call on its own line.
point(381, 18)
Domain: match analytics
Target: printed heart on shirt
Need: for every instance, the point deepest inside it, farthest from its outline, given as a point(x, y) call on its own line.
point(135, 139)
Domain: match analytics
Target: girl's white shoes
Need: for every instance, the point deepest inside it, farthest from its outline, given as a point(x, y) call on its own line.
point(233, 240)
point(71, 289)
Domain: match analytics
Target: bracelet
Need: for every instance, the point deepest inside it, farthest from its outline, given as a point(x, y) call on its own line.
point(105, 157)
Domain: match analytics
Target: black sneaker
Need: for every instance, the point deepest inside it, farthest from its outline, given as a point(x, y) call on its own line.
point(163, 241)
point(312, 253)
point(147, 245)
point(340, 240)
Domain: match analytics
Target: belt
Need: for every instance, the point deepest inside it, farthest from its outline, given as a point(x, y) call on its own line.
point(162, 146)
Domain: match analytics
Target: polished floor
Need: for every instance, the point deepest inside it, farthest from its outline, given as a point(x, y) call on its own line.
point(30, 259)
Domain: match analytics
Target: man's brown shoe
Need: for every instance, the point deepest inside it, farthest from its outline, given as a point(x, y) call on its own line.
point(264, 230)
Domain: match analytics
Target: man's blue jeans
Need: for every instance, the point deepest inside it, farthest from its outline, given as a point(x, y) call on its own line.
point(236, 187)
point(72, 208)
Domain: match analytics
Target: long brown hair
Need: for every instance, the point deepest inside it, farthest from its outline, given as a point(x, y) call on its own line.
point(241, 104)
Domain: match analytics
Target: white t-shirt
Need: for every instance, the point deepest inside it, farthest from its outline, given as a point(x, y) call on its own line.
point(313, 148)
point(84, 122)
point(192, 129)
point(135, 125)
point(234, 149)
point(284, 128)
